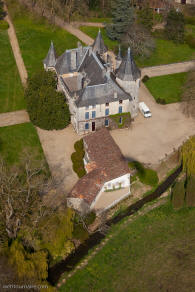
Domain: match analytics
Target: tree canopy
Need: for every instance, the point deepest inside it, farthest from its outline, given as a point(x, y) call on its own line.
point(122, 17)
point(174, 28)
point(47, 108)
point(2, 12)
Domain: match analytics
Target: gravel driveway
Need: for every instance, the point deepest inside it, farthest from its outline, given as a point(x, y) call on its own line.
point(58, 147)
point(149, 139)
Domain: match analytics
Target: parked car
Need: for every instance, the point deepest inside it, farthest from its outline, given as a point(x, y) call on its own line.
point(144, 110)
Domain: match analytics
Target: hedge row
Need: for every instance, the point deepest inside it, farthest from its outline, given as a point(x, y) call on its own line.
point(77, 159)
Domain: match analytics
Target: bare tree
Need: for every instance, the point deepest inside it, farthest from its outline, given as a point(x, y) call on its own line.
point(20, 197)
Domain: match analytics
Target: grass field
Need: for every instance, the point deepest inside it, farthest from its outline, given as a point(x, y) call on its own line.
point(99, 19)
point(153, 253)
point(11, 90)
point(167, 87)
point(14, 140)
point(167, 52)
point(190, 29)
point(34, 36)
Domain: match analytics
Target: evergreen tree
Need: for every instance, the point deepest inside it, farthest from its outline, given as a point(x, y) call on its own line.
point(122, 17)
point(174, 28)
point(145, 17)
point(47, 108)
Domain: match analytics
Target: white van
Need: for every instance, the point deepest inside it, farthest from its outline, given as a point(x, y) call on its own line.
point(144, 110)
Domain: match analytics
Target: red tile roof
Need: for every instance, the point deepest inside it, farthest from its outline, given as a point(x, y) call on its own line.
point(110, 164)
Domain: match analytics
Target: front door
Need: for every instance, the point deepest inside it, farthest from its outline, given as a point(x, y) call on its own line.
point(93, 126)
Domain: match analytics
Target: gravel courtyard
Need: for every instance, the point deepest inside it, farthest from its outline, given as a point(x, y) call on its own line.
point(149, 139)
point(58, 147)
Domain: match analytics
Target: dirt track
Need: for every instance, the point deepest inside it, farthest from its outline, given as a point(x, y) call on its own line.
point(16, 50)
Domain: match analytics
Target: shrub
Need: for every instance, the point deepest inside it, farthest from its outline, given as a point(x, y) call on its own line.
point(78, 146)
point(190, 192)
point(77, 159)
point(178, 195)
point(147, 176)
point(80, 232)
point(90, 218)
point(190, 40)
point(145, 78)
point(3, 25)
point(160, 100)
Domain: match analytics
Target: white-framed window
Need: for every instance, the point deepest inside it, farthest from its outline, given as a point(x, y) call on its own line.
point(106, 123)
point(86, 126)
point(87, 115)
point(93, 114)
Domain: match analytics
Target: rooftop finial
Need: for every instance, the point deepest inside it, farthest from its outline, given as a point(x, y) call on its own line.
point(119, 52)
point(129, 53)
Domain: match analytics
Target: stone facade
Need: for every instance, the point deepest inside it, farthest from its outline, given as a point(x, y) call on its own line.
point(96, 84)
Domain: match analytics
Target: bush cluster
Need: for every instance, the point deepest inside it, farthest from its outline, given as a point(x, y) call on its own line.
point(80, 231)
point(145, 78)
point(77, 159)
point(160, 100)
point(146, 175)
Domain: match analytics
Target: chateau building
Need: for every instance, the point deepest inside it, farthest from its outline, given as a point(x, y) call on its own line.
point(97, 85)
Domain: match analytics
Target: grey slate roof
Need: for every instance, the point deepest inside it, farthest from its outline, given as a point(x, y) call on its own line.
point(128, 71)
point(93, 67)
point(98, 45)
point(70, 60)
point(50, 60)
point(101, 93)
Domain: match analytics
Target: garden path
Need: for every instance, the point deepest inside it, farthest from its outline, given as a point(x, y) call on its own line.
point(16, 49)
point(168, 69)
point(14, 118)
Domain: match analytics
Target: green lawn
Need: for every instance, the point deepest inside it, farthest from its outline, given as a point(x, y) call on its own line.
point(34, 36)
point(167, 87)
point(11, 90)
point(190, 29)
point(93, 31)
point(99, 19)
point(153, 253)
point(14, 140)
point(167, 52)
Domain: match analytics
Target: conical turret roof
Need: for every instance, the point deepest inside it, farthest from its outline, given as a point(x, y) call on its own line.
point(128, 71)
point(50, 60)
point(98, 45)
